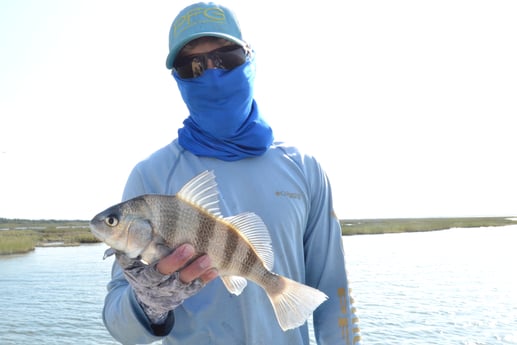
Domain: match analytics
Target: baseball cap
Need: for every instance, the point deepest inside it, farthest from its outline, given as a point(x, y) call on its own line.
point(202, 19)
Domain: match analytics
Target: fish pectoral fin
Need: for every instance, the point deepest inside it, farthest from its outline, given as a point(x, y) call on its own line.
point(156, 250)
point(234, 284)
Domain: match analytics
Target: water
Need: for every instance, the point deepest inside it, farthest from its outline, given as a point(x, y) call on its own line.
point(54, 296)
point(447, 287)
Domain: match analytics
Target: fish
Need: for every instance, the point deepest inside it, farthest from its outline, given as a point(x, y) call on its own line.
point(150, 226)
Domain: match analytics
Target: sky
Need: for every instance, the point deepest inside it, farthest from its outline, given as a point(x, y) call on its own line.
point(409, 106)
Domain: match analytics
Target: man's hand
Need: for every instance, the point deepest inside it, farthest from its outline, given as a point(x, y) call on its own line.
point(160, 287)
point(201, 268)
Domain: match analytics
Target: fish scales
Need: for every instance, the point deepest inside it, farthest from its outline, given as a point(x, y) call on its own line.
point(230, 247)
point(188, 223)
point(249, 263)
point(169, 219)
point(151, 226)
point(239, 256)
point(208, 234)
point(203, 230)
point(229, 251)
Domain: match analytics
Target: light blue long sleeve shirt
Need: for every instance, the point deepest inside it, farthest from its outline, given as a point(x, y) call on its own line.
point(291, 193)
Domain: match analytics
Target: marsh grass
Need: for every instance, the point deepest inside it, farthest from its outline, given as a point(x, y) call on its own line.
point(384, 226)
point(20, 236)
point(12, 242)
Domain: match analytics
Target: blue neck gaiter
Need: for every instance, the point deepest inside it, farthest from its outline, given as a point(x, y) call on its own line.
point(224, 120)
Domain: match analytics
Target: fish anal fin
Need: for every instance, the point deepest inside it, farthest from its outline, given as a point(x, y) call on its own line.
point(234, 284)
point(255, 231)
point(202, 192)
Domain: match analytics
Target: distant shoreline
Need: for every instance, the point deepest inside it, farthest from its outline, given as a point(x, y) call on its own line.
point(398, 225)
point(18, 236)
point(22, 235)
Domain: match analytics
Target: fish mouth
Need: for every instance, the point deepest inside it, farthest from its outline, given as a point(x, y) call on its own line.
point(101, 235)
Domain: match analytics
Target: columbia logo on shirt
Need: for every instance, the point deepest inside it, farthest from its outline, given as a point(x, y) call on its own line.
point(288, 194)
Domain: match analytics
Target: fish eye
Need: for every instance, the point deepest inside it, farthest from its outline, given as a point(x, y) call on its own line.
point(111, 220)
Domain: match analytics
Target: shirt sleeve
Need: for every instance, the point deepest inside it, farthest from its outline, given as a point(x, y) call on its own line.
point(335, 321)
point(122, 314)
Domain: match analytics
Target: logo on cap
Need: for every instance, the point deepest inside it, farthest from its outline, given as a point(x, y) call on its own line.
point(196, 16)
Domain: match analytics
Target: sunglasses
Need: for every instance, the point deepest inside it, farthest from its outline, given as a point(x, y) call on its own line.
point(227, 57)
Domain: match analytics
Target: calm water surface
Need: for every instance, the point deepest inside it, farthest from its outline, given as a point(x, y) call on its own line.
point(455, 286)
point(447, 287)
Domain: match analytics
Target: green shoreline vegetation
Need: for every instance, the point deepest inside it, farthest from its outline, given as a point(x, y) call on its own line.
point(398, 225)
point(22, 235)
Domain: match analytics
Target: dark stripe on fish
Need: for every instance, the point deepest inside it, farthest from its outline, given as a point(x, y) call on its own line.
point(232, 241)
point(249, 261)
point(205, 232)
point(169, 224)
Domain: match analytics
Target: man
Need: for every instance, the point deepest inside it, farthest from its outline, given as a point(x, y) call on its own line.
point(183, 302)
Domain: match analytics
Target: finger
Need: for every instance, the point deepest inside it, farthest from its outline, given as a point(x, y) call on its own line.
point(196, 269)
point(209, 275)
point(177, 259)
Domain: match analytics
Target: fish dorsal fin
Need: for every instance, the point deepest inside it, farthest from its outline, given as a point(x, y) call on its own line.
point(234, 284)
point(202, 191)
point(255, 231)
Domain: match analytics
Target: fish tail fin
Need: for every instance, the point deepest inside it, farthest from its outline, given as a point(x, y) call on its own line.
point(294, 303)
